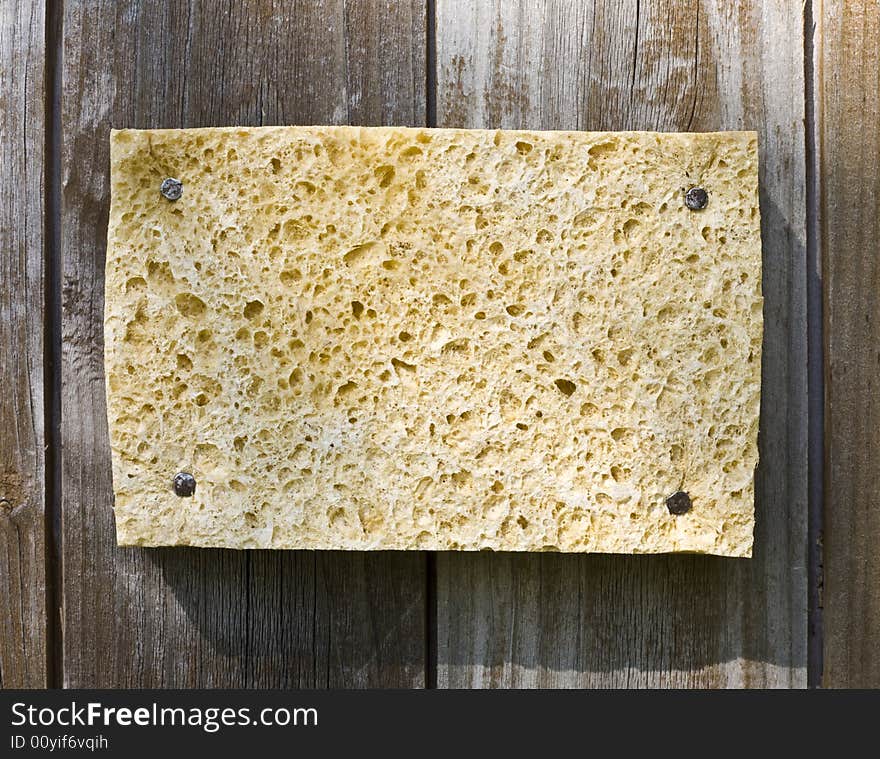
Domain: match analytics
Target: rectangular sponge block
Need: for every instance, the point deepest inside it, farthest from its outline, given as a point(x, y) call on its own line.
point(392, 338)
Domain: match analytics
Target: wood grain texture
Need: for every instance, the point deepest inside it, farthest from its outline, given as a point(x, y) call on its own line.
point(204, 618)
point(23, 601)
point(670, 621)
point(848, 124)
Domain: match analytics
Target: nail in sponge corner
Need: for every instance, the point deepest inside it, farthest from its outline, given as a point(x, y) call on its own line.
point(391, 338)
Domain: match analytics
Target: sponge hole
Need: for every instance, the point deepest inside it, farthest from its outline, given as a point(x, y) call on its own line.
point(565, 386)
point(190, 305)
point(253, 309)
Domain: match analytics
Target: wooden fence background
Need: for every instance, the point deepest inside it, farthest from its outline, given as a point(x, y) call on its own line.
point(77, 611)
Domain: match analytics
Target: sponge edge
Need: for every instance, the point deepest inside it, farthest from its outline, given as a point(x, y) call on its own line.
point(396, 338)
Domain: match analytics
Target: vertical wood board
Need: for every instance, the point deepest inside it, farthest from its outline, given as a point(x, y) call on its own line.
point(848, 125)
point(23, 583)
point(669, 621)
point(204, 618)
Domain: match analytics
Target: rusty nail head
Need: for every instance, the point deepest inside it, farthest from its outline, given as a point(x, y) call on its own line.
point(172, 188)
point(696, 198)
point(679, 503)
point(184, 484)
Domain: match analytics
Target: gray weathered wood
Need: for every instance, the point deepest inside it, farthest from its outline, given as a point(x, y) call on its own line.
point(204, 618)
point(580, 621)
point(23, 601)
point(848, 120)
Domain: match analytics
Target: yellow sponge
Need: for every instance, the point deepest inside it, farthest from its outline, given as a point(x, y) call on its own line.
point(389, 338)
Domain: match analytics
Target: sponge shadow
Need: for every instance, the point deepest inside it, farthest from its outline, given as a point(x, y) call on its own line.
point(669, 620)
point(295, 619)
point(331, 619)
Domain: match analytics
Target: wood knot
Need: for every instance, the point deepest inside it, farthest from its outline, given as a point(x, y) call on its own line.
point(12, 497)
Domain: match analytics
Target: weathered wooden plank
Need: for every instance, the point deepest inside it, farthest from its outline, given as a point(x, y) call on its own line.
point(192, 618)
point(575, 621)
point(847, 53)
point(23, 601)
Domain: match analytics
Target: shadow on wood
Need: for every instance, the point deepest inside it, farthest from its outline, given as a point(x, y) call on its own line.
point(296, 618)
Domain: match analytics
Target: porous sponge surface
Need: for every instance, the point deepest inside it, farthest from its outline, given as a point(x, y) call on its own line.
point(390, 338)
